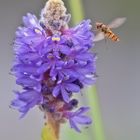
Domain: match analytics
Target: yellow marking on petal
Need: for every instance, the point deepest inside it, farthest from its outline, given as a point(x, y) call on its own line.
point(38, 31)
point(55, 38)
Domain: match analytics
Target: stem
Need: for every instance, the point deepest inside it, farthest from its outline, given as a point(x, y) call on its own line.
point(96, 113)
point(54, 124)
point(51, 129)
point(77, 12)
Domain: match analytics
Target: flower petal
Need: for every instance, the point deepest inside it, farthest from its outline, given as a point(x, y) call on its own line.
point(72, 87)
point(83, 120)
point(56, 91)
point(65, 95)
point(73, 125)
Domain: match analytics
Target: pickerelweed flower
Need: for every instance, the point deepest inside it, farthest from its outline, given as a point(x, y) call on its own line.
point(53, 62)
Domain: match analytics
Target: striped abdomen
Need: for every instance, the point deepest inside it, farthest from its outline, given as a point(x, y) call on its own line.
point(111, 36)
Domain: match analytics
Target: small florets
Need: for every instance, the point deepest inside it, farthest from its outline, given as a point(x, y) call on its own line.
point(51, 67)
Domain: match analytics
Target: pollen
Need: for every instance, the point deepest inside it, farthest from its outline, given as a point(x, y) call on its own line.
point(55, 38)
point(38, 31)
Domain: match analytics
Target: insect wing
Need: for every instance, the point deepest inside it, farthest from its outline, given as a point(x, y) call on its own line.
point(117, 22)
point(98, 37)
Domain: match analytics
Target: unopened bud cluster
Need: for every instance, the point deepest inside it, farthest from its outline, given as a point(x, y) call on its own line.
point(54, 16)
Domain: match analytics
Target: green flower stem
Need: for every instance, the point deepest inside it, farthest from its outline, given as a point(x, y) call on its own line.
point(77, 13)
point(76, 10)
point(94, 104)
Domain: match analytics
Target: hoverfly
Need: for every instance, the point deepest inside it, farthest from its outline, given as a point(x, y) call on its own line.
point(105, 30)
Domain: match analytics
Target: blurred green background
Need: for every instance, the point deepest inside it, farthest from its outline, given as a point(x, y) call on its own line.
point(114, 103)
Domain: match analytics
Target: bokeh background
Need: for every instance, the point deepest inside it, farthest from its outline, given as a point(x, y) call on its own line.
point(118, 65)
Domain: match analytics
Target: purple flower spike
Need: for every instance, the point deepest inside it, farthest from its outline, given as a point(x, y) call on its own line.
point(52, 63)
point(77, 117)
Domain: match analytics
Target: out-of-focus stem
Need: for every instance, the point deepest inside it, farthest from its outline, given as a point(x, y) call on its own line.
point(77, 12)
point(96, 113)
